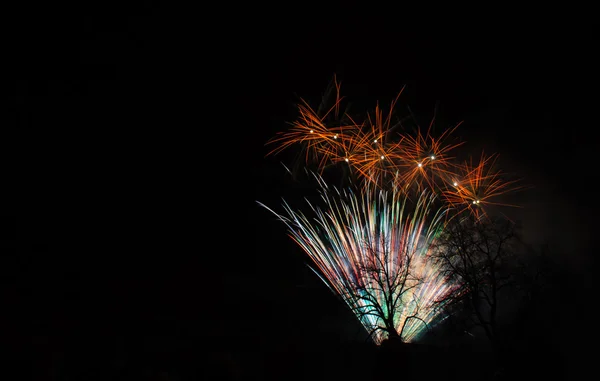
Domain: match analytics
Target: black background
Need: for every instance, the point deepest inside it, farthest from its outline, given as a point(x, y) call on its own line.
point(133, 153)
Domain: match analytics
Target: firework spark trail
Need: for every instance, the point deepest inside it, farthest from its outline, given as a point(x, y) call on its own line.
point(425, 158)
point(372, 245)
point(373, 252)
point(410, 162)
point(473, 186)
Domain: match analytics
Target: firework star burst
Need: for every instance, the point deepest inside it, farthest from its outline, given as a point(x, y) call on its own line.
point(373, 249)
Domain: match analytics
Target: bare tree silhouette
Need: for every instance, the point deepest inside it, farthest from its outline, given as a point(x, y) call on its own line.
point(480, 255)
point(385, 294)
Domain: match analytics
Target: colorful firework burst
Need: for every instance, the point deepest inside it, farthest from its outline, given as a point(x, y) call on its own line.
point(408, 161)
point(373, 249)
point(425, 158)
point(475, 185)
point(372, 244)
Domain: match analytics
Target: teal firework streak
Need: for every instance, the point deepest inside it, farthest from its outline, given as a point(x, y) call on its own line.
point(373, 248)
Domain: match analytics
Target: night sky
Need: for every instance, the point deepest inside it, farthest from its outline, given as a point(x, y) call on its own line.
point(134, 155)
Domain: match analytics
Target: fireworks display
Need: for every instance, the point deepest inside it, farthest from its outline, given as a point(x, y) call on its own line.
point(373, 250)
point(371, 242)
point(376, 150)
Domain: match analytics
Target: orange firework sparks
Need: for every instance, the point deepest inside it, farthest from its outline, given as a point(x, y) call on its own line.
point(370, 150)
point(350, 145)
point(321, 143)
point(426, 158)
point(474, 186)
point(378, 160)
point(309, 131)
point(380, 151)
